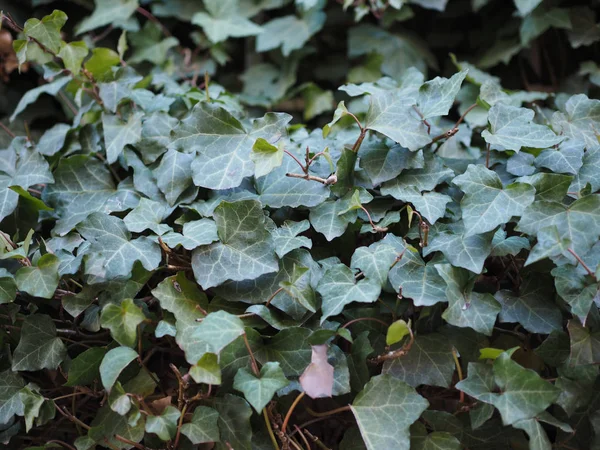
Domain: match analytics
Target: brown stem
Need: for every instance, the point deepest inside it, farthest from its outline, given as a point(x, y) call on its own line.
point(327, 413)
point(375, 227)
point(326, 182)
point(361, 138)
point(148, 15)
point(104, 33)
point(360, 319)
point(179, 424)
point(302, 437)
point(270, 299)
point(395, 353)
point(583, 264)
point(290, 411)
point(427, 124)
point(252, 359)
point(356, 120)
point(61, 443)
point(5, 128)
point(304, 169)
point(487, 157)
point(467, 111)
point(445, 135)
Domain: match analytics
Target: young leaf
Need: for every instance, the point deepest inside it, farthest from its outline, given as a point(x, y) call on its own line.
point(122, 321)
point(40, 280)
point(259, 391)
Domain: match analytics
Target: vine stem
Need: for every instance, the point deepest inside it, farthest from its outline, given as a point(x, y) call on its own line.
point(583, 264)
point(270, 429)
point(326, 182)
point(148, 15)
point(459, 372)
point(360, 319)
point(375, 227)
point(290, 411)
point(359, 141)
point(304, 169)
point(252, 359)
point(328, 413)
point(7, 130)
point(178, 435)
point(273, 295)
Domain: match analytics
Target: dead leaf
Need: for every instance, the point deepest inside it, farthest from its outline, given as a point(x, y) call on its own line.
point(317, 379)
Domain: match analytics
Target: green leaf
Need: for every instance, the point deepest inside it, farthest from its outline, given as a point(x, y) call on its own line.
point(150, 45)
point(32, 402)
point(113, 364)
point(392, 114)
point(206, 370)
point(339, 288)
point(40, 280)
point(31, 96)
point(53, 139)
point(85, 368)
point(203, 426)
point(384, 163)
point(549, 244)
point(165, 425)
point(224, 20)
point(585, 345)
point(532, 308)
point(375, 261)
point(73, 55)
point(147, 215)
point(299, 288)
point(289, 32)
point(260, 390)
point(579, 121)
point(468, 252)
point(486, 203)
point(438, 440)
point(223, 143)
point(101, 63)
point(579, 222)
point(174, 174)
point(290, 348)
point(234, 422)
point(106, 12)
point(512, 128)
point(212, 335)
point(265, 157)
point(523, 394)
point(524, 7)
point(82, 186)
point(286, 239)
point(387, 404)
point(112, 251)
point(122, 321)
point(8, 287)
point(245, 250)
point(465, 307)
point(396, 332)
point(118, 134)
point(428, 362)
point(39, 347)
point(436, 97)
point(10, 401)
point(46, 31)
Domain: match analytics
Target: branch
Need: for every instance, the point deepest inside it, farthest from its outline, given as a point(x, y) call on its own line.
point(331, 180)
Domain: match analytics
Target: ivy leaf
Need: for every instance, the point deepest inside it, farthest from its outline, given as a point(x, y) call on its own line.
point(39, 347)
point(375, 261)
point(566, 159)
point(119, 88)
point(174, 174)
point(486, 203)
point(512, 127)
point(578, 222)
point(384, 163)
point(579, 120)
point(265, 157)
point(260, 390)
point(464, 251)
point(118, 134)
point(339, 288)
point(206, 370)
point(290, 348)
point(289, 32)
point(11, 384)
point(502, 246)
point(234, 422)
point(223, 143)
point(286, 239)
point(438, 440)
point(214, 333)
point(32, 95)
point(165, 425)
point(149, 45)
point(223, 20)
point(113, 364)
point(147, 215)
point(532, 308)
point(73, 54)
point(245, 250)
point(466, 308)
point(195, 233)
point(32, 402)
point(82, 186)
point(41, 280)
point(112, 251)
point(106, 12)
point(585, 345)
point(436, 97)
point(428, 362)
point(8, 287)
point(122, 321)
point(298, 287)
point(523, 394)
point(525, 7)
point(47, 30)
point(85, 368)
point(53, 139)
point(576, 287)
point(203, 426)
point(393, 115)
point(387, 404)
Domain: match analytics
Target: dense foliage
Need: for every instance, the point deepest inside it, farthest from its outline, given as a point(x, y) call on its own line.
point(181, 267)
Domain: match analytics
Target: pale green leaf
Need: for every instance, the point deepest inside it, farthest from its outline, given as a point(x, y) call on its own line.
point(259, 390)
point(436, 97)
point(122, 321)
point(40, 280)
point(165, 425)
point(118, 134)
point(203, 426)
point(113, 364)
point(289, 32)
point(73, 55)
point(223, 20)
point(106, 12)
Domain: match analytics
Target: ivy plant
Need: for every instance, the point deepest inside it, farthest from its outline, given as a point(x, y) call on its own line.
point(183, 267)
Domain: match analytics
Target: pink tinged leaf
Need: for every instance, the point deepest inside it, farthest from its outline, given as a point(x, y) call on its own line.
point(317, 379)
